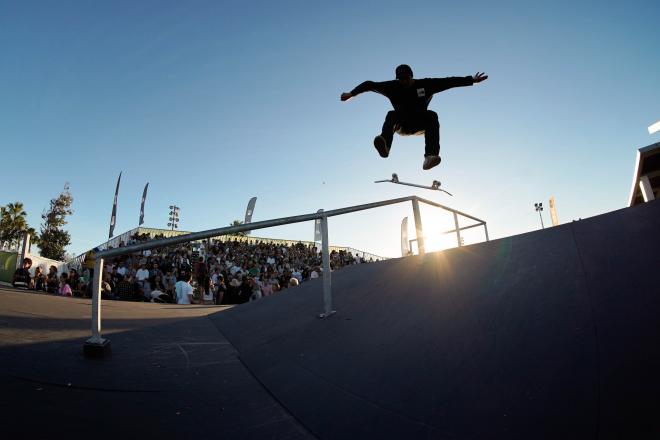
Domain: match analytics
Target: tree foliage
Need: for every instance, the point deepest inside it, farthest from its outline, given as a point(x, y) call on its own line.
point(53, 239)
point(13, 224)
point(239, 223)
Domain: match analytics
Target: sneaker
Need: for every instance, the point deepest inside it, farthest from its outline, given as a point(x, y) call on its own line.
point(381, 146)
point(430, 162)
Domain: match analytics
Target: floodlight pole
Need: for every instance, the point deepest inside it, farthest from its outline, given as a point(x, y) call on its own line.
point(539, 209)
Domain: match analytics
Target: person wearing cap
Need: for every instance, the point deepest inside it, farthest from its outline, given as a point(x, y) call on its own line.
point(411, 116)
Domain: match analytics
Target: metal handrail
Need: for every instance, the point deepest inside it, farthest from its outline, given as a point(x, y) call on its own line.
point(96, 339)
point(152, 244)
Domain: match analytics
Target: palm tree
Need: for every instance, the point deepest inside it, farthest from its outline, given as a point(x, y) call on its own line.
point(239, 223)
point(12, 223)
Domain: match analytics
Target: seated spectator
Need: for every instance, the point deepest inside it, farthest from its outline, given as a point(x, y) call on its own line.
point(157, 294)
point(22, 275)
point(184, 291)
point(106, 287)
point(220, 289)
point(206, 297)
point(293, 282)
point(74, 282)
point(52, 280)
point(168, 282)
point(65, 289)
point(255, 289)
point(142, 274)
point(39, 279)
point(266, 288)
point(125, 288)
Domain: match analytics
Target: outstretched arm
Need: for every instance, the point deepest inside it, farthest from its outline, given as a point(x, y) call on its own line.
point(367, 86)
point(441, 84)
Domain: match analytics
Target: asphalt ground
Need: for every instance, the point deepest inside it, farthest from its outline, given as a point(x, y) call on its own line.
point(171, 374)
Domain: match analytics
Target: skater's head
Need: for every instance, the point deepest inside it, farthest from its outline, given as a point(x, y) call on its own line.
point(404, 74)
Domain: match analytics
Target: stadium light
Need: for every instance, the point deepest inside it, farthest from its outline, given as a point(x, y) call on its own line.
point(539, 208)
point(654, 128)
point(174, 217)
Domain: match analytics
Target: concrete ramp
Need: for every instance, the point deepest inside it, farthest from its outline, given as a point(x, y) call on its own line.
point(551, 334)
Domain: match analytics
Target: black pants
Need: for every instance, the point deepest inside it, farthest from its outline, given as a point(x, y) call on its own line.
point(410, 125)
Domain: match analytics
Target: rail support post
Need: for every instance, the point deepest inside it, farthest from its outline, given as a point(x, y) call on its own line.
point(96, 346)
point(327, 276)
point(418, 227)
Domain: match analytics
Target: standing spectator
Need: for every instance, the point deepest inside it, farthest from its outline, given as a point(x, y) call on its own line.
point(202, 277)
point(184, 291)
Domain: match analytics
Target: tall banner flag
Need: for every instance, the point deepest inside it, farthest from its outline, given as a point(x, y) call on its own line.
point(144, 197)
point(553, 212)
point(317, 227)
point(113, 217)
point(405, 250)
point(250, 210)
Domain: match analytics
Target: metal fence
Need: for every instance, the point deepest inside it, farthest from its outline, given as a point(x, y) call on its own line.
point(97, 341)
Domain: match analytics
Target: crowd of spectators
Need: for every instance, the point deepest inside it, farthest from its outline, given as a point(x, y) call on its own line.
point(206, 272)
point(215, 272)
point(69, 283)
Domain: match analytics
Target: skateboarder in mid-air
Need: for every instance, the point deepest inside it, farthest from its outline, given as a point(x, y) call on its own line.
point(410, 99)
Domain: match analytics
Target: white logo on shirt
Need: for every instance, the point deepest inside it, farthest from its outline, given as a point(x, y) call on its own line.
point(421, 92)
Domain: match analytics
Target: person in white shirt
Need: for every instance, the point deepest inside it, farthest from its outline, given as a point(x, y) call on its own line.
point(142, 274)
point(184, 291)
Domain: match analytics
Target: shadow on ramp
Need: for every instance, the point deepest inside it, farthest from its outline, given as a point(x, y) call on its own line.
point(550, 334)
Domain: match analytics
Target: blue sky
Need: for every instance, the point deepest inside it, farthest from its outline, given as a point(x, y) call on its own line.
point(213, 102)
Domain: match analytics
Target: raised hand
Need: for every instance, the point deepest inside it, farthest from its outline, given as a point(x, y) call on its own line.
point(479, 76)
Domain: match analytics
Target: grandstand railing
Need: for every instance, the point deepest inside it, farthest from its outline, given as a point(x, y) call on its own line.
point(97, 341)
point(127, 237)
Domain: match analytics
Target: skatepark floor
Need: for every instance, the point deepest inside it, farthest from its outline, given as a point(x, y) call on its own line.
point(171, 374)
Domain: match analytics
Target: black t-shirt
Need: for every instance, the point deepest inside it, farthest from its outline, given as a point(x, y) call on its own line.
point(22, 273)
